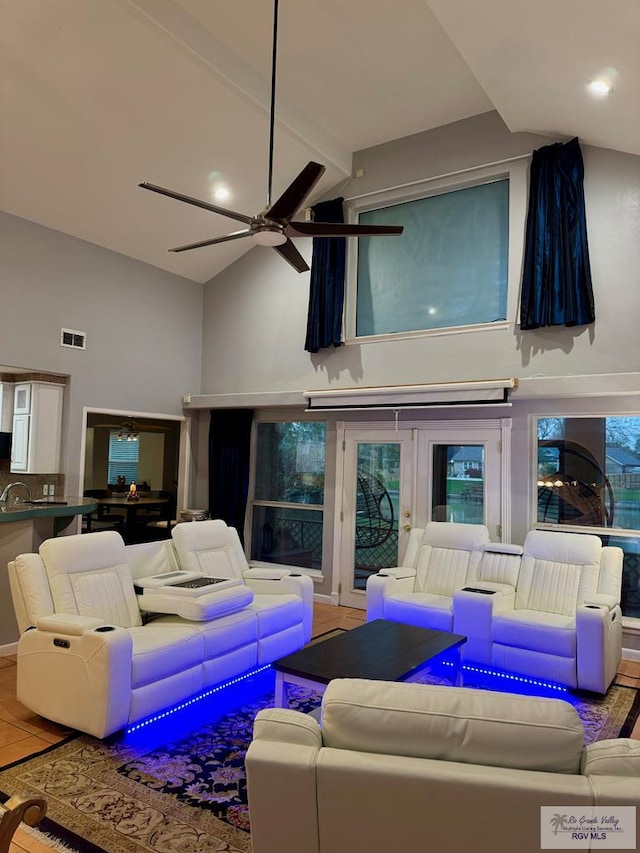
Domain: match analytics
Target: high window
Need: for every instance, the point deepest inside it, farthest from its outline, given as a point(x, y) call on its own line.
point(589, 477)
point(454, 268)
point(288, 494)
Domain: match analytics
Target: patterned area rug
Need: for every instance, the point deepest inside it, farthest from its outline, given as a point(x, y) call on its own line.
point(177, 794)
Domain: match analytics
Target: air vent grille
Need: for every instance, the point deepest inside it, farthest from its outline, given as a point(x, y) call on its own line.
point(73, 338)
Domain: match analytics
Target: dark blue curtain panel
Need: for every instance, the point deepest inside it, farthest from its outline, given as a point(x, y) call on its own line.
point(229, 445)
point(326, 291)
point(556, 283)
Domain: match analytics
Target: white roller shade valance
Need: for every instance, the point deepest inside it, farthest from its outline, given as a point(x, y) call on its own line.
point(480, 392)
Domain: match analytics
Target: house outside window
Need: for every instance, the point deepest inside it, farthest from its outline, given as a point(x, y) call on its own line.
point(287, 508)
point(588, 477)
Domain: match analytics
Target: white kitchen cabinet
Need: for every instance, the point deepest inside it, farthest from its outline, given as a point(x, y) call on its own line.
point(6, 406)
point(22, 399)
point(37, 432)
point(20, 443)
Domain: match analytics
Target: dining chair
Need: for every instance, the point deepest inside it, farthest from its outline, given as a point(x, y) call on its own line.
point(103, 518)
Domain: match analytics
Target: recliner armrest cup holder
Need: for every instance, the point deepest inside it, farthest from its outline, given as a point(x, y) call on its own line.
point(477, 589)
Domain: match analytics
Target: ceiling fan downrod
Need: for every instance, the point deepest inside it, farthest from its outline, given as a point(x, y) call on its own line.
point(272, 116)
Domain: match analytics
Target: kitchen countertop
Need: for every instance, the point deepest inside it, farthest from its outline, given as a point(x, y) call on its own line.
point(73, 505)
point(25, 528)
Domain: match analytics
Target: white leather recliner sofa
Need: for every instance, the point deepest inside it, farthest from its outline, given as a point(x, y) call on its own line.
point(87, 659)
point(397, 766)
point(548, 610)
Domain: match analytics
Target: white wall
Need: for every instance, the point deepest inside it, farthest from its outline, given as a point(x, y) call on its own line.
point(255, 311)
point(89, 477)
point(143, 326)
point(151, 459)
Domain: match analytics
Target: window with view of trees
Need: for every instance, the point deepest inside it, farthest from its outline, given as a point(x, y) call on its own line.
point(589, 476)
point(288, 495)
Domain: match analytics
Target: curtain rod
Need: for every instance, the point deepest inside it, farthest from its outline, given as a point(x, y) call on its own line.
point(438, 177)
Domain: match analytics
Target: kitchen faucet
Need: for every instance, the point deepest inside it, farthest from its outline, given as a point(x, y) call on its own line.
point(4, 497)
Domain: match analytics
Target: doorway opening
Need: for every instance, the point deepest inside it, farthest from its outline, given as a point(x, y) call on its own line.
point(133, 455)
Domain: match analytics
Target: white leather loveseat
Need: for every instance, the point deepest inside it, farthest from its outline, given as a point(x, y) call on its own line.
point(88, 659)
point(548, 610)
point(398, 766)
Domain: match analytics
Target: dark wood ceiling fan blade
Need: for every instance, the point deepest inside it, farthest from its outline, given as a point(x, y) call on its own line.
point(289, 252)
point(232, 214)
point(338, 229)
point(235, 235)
point(293, 197)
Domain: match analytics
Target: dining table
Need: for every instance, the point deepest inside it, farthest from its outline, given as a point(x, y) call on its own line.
point(132, 507)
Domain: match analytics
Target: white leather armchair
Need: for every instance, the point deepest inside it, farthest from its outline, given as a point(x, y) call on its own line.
point(440, 559)
point(417, 767)
point(566, 622)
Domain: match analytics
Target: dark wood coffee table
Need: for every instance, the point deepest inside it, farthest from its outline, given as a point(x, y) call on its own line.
point(379, 650)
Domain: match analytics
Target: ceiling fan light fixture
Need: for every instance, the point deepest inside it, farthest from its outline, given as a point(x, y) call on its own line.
point(269, 237)
point(128, 432)
point(127, 435)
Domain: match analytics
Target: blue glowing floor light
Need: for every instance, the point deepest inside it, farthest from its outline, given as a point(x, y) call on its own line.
point(509, 676)
point(162, 715)
point(487, 672)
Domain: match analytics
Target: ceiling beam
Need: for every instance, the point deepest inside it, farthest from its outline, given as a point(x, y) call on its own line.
point(176, 23)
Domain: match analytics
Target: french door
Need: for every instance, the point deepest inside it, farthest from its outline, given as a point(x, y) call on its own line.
point(377, 506)
point(392, 480)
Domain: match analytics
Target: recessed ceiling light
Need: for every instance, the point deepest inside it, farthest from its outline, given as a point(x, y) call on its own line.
point(221, 193)
point(600, 87)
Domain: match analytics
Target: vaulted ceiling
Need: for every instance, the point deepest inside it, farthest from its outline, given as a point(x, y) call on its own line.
point(99, 95)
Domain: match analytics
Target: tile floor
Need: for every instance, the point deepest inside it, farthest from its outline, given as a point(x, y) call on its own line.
point(23, 733)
